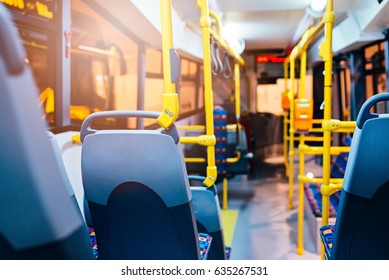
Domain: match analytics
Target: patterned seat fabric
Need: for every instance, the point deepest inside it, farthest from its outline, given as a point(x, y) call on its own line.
point(314, 198)
point(204, 243)
point(220, 130)
point(327, 236)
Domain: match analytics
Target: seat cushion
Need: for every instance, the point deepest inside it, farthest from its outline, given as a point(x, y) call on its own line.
point(327, 236)
point(314, 198)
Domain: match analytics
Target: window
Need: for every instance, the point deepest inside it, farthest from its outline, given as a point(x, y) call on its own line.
point(39, 49)
point(103, 67)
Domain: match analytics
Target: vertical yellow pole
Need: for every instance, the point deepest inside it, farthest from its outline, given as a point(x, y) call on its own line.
point(167, 44)
point(303, 72)
point(326, 54)
point(237, 99)
point(291, 133)
point(237, 91)
point(225, 194)
point(300, 214)
point(208, 94)
point(286, 143)
point(170, 107)
point(286, 76)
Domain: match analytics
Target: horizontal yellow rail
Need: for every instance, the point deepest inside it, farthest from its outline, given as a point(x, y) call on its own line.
point(314, 121)
point(308, 36)
point(203, 140)
point(317, 121)
point(308, 150)
point(336, 125)
point(235, 159)
point(330, 189)
point(195, 160)
point(309, 138)
point(305, 179)
point(191, 127)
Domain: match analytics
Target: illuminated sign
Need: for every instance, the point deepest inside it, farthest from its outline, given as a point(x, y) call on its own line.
point(42, 9)
point(270, 59)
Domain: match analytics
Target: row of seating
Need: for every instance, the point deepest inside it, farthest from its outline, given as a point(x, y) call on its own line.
point(313, 193)
point(313, 198)
point(138, 194)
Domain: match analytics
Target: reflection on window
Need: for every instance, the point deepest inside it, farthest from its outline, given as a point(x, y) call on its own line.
point(103, 67)
point(188, 86)
point(153, 61)
point(153, 97)
point(36, 45)
point(184, 67)
point(187, 97)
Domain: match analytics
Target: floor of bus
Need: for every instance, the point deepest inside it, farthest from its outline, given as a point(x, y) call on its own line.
point(265, 228)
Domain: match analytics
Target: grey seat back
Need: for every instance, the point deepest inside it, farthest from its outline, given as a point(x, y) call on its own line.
point(138, 193)
point(37, 217)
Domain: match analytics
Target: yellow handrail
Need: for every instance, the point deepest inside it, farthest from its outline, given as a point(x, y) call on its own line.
point(291, 132)
point(311, 138)
point(308, 150)
point(300, 212)
point(328, 125)
point(170, 107)
point(305, 179)
point(208, 94)
point(191, 127)
point(286, 138)
point(195, 160)
point(325, 52)
point(202, 140)
point(286, 120)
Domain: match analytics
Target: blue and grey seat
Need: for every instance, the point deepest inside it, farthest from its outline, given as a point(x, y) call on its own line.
point(361, 229)
point(38, 219)
point(208, 219)
point(138, 192)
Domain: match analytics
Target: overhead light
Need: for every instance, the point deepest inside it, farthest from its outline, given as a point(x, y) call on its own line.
point(229, 33)
point(318, 5)
point(316, 8)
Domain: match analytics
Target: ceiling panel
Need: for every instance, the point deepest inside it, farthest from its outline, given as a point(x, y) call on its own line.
point(262, 24)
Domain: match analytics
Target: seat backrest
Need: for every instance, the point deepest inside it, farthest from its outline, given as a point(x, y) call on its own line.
point(361, 231)
point(208, 218)
point(138, 192)
point(37, 217)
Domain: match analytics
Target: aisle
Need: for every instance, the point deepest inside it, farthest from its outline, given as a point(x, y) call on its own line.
point(266, 229)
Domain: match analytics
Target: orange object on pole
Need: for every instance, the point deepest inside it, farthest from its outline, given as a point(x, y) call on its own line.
point(303, 114)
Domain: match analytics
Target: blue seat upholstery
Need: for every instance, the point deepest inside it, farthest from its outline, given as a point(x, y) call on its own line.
point(361, 230)
point(38, 218)
point(220, 128)
point(138, 192)
point(327, 237)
